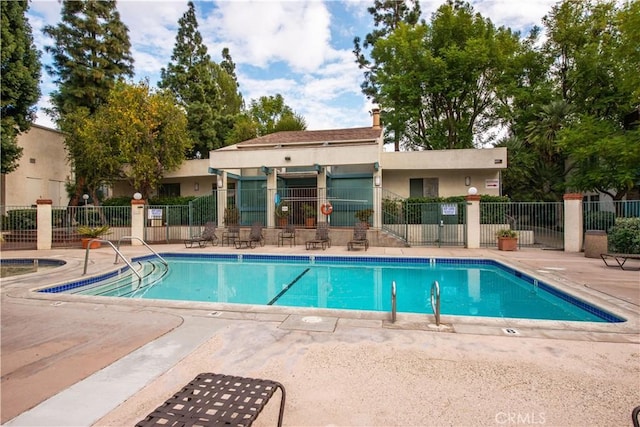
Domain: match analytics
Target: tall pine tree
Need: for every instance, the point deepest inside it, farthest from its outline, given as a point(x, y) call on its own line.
point(208, 91)
point(19, 79)
point(91, 52)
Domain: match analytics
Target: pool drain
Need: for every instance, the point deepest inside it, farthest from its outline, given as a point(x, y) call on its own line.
point(510, 331)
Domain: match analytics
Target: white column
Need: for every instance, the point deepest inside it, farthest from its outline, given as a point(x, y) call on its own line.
point(221, 197)
point(473, 221)
point(377, 199)
point(321, 181)
point(272, 190)
point(573, 222)
point(137, 221)
point(43, 219)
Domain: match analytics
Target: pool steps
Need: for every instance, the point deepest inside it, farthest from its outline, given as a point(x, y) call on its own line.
point(126, 283)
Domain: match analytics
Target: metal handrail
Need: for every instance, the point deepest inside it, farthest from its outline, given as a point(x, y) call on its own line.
point(435, 301)
point(393, 301)
point(145, 244)
point(86, 257)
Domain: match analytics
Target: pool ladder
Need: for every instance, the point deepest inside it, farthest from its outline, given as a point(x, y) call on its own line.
point(435, 301)
point(393, 301)
point(119, 254)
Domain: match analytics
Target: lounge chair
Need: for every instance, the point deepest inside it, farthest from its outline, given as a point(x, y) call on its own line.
point(215, 399)
point(208, 235)
point(359, 237)
point(255, 237)
point(289, 233)
point(321, 238)
point(621, 259)
point(231, 234)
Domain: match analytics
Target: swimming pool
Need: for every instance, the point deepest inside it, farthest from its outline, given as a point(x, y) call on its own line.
point(18, 266)
point(468, 287)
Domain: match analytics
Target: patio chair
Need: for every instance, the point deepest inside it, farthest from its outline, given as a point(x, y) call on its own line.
point(213, 399)
point(359, 237)
point(289, 233)
point(321, 238)
point(231, 234)
point(255, 235)
point(208, 235)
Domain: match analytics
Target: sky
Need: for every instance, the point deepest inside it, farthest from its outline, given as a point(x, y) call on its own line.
point(301, 49)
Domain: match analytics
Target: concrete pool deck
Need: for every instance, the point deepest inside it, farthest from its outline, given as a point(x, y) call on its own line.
point(69, 360)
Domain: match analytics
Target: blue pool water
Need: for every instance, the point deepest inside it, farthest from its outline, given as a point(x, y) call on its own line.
point(468, 287)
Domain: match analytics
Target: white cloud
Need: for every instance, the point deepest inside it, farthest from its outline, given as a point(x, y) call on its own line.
point(260, 33)
point(518, 15)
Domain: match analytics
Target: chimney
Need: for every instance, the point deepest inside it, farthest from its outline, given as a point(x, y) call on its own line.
point(376, 118)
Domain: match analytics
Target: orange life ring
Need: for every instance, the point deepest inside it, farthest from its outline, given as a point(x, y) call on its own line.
point(326, 208)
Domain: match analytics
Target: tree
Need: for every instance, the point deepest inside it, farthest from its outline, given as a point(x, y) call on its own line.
point(19, 80)
point(387, 15)
point(138, 135)
point(594, 45)
point(270, 113)
point(604, 157)
point(90, 53)
point(440, 79)
point(206, 90)
point(267, 114)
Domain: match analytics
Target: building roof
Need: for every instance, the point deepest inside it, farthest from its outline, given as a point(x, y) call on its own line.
point(313, 137)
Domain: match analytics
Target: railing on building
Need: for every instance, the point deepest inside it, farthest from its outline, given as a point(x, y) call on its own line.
point(539, 224)
point(19, 227)
point(424, 224)
point(602, 214)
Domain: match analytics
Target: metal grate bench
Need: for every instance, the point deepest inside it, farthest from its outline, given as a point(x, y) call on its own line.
point(216, 399)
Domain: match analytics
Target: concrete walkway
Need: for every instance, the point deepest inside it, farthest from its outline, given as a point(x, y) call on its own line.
point(90, 361)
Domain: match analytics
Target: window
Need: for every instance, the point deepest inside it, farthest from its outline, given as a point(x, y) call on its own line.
point(169, 190)
point(423, 187)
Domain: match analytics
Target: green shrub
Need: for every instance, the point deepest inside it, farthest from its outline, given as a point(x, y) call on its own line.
point(624, 236)
point(392, 211)
point(599, 220)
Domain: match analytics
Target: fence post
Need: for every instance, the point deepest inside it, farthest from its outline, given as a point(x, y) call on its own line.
point(137, 221)
point(44, 224)
point(573, 222)
point(473, 221)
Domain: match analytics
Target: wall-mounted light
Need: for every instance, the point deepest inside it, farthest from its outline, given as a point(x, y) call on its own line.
point(287, 158)
point(376, 180)
point(467, 181)
point(196, 187)
point(472, 191)
point(220, 181)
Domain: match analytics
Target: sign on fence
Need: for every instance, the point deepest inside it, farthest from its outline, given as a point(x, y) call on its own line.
point(449, 209)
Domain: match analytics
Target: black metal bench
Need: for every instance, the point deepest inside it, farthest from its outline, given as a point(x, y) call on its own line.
point(216, 399)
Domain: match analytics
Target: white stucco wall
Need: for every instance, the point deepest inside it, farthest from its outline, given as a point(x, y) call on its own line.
point(450, 183)
point(43, 170)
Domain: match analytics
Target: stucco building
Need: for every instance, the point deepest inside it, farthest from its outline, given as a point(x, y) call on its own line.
point(43, 170)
